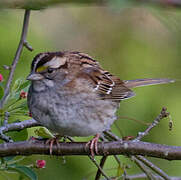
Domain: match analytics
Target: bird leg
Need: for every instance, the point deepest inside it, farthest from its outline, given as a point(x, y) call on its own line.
point(93, 145)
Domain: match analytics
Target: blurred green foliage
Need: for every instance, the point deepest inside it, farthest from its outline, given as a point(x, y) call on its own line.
point(134, 42)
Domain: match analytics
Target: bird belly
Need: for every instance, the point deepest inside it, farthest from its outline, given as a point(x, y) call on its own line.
point(74, 115)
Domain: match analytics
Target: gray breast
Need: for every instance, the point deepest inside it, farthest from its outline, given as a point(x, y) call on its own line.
point(72, 114)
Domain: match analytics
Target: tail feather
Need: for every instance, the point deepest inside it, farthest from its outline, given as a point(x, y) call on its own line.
point(146, 82)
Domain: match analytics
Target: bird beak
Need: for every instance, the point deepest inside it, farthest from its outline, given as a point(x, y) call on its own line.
point(34, 77)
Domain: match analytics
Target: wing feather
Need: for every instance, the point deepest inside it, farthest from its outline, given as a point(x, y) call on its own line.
point(108, 86)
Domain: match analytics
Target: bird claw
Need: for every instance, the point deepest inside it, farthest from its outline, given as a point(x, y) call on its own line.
point(51, 142)
point(93, 145)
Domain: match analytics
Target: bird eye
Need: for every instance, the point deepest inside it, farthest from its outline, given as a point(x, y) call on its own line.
point(50, 70)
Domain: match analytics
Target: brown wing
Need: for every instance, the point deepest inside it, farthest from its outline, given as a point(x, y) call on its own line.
point(108, 86)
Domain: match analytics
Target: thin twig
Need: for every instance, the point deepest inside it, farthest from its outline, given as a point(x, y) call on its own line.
point(139, 164)
point(5, 123)
point(143, 168)
point(162, 115)
point(143, 176)
point(118, 128)
point(104, 139)
point(141, 158)
point(117, 159)
point(19, 125)
point(133, 119)
point(6, 67)
point(102, 162)
point(27, 45)
point(16, 127)
point(160, 172)
point(17, 56)
point(5, 138)
point(99, 168)
point(6, 117)
point(153, 167)
point(111, 135)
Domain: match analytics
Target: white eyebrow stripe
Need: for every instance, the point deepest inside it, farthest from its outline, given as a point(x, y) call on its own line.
point(55, 62)
point(39, 58)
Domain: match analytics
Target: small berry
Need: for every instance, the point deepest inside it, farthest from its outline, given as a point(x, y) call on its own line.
point(30, 114)
point(32, 138)
point(40, 163)
point(1, 77)
point(23, 95)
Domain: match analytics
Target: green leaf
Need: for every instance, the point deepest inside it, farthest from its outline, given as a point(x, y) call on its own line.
point(9, 158)
point(1, 92)
point(16, 84)
point(18, 117)
point(44, 133)
point(18, 104)
point(26, 171)
point(19, 136)
point(20, 84)
point(24, 85)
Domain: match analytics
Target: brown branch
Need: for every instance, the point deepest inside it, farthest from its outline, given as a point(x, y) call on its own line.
point(6, 117)
point(19, 126)
point(22, 43)
point(16, 127)
point(141, 176)
point(153, 167)
point(100, 170)
point(162, 115)
point(107, 148)
point(145, 169)
point(102, 162)
point(140, 160)
point(99, 167)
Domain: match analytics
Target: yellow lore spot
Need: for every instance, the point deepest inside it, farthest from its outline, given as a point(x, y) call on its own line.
point(41, 68)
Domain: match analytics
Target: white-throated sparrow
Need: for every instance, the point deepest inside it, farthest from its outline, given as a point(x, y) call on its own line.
point(72, 95)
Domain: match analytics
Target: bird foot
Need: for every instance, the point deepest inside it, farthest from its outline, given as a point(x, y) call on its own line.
point(93, 145)
point(51, 142)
